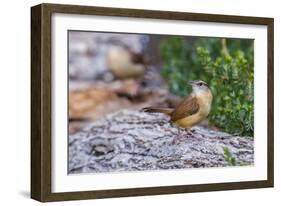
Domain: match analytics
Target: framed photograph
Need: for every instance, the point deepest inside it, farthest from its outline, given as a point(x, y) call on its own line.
point(130, 102)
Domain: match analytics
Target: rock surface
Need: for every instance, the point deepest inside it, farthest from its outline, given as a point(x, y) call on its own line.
point(132, 140)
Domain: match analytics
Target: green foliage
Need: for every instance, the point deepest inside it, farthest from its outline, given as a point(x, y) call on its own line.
point(174, 53)
point(228, 157)
point(226, 65)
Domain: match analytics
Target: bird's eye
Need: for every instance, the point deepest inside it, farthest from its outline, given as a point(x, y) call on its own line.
point(200, 84)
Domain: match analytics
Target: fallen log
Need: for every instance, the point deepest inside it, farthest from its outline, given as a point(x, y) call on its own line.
point(132, 140)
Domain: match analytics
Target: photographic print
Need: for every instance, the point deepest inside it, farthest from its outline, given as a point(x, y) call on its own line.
point(141, 102)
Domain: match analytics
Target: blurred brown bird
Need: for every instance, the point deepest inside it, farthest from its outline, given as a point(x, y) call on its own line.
point(125, 63)
point(192, 110)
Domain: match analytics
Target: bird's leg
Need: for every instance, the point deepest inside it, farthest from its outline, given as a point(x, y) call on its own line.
point(190, 131)
point(180, 135)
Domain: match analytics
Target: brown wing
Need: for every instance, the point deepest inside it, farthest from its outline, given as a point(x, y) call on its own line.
point(187, 107)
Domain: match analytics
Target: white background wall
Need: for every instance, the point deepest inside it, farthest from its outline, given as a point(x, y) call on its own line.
point(15, 102)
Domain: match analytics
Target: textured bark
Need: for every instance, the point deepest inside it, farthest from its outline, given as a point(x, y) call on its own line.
point(134, 140)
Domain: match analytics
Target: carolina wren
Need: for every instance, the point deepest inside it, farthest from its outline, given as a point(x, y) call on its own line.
point(192, 110)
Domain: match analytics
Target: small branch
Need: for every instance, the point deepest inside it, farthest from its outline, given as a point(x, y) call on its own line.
point(224, 47)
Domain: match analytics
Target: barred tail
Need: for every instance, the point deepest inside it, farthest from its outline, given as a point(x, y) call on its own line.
point(166, 111)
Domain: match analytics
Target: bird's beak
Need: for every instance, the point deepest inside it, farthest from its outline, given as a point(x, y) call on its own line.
point(191, 83)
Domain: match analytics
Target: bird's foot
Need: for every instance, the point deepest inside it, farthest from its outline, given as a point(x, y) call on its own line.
point(177, 140)
point(183, 133)
point(190, 132)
